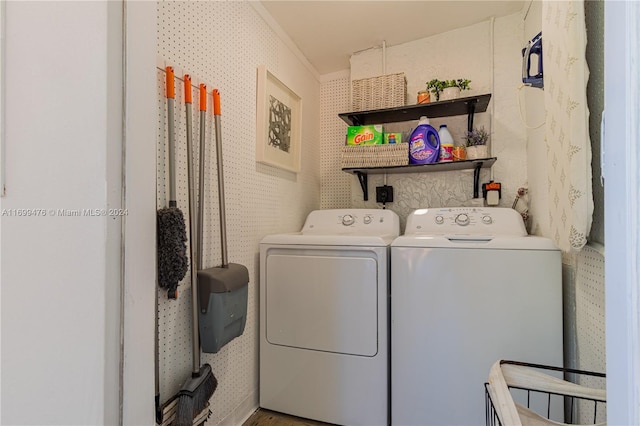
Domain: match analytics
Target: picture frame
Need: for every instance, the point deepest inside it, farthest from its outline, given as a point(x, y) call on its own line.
point(278, 123)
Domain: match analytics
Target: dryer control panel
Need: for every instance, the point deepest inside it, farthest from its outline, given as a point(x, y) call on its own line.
point(466, 220)
point(352, 222)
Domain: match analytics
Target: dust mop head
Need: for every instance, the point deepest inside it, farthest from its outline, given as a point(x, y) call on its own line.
point(173, 262)
point(194, 396)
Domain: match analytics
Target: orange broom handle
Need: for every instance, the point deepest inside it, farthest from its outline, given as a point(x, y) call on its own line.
point(216, 102)
point(171, 88)
point(188, 98)
point(203, 97)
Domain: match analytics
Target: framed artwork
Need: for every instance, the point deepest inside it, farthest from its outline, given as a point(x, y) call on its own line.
point(278, 116)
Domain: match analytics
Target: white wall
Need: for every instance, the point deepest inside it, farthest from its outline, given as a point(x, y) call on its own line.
point(534, 113)
point(139, 308)
point(222, 44)
point(462, 53)
point(58, 302)
point(622, 130)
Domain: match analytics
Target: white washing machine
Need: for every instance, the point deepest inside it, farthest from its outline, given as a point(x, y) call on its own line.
point(324, 317)
point(468, 287)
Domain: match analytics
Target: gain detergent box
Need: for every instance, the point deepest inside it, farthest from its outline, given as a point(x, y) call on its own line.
point(365, 135)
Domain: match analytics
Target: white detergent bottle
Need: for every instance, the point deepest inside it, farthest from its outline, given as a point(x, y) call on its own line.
point(446, 144)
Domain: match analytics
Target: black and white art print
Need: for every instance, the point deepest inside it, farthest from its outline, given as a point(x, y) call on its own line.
point(278, 123)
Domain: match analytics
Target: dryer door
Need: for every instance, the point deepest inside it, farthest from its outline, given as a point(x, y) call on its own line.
point(323, 300)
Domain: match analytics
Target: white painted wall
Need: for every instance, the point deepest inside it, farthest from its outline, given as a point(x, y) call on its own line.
point(140, 223)
point(622, 223)
point(534, 114)
point(58, 302)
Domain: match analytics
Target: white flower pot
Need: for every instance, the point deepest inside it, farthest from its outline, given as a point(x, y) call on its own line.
point(450, 93)
point(477, 151)
point(472, 153)
point(482, 151)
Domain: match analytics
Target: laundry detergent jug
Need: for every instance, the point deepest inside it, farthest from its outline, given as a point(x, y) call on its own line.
point(424, 143)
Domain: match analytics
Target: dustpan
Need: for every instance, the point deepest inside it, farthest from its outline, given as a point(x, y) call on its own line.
point(222, 290)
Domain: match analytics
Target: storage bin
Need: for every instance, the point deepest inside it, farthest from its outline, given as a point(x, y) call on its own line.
point(385, 91)
point(375, 155)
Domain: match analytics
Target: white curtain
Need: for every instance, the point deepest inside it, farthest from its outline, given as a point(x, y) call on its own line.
point(567, 123)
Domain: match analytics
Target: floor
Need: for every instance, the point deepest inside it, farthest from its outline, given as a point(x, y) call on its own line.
point(271, 418)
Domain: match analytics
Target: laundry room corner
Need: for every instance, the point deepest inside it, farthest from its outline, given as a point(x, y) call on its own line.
point(490, 47)
point(222, 44)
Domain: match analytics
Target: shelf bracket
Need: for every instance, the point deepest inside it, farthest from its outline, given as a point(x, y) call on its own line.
point(476, 179)
point(362, 178)
point(471, 109)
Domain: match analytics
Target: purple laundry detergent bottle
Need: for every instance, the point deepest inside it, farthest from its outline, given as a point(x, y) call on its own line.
point(424, 143)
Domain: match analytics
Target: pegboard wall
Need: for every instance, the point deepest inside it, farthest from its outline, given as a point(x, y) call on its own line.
point(336, 184)
point(590, 321)
point(221, 45)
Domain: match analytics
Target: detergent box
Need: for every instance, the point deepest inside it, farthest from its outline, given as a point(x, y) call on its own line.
point(392, 138)
point(365, 135)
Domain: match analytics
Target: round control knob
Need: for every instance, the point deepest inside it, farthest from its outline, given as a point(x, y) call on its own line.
point(462, 219)
point(348, 220)
point(439, 220)
point(487, 220)
point(367, 220)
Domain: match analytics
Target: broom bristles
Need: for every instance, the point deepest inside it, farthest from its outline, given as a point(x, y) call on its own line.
point(194, 396)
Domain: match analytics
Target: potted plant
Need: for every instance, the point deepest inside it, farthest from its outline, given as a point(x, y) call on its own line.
point(476, 141)
point(447, 89)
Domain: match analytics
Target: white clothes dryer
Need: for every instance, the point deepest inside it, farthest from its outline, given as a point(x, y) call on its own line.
point(324, 314)
point(468, 288)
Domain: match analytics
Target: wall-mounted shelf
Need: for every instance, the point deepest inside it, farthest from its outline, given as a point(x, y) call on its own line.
point(420, 168)
point(469, 105)
point(363, 172)
point(460, 106)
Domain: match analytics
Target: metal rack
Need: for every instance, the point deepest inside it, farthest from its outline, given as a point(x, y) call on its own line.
point(551, 392)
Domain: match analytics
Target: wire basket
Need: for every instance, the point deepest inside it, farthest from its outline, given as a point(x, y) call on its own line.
point(386, 155)
point(532, 394)
point(385, 91)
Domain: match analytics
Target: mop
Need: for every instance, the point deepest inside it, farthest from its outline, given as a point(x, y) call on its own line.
point(172, 235)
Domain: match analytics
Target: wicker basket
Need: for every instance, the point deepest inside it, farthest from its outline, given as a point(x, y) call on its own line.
point(375, 156)
point(385, 91)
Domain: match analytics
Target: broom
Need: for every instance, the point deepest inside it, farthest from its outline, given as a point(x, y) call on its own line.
point(172, 235)
point(196, 392)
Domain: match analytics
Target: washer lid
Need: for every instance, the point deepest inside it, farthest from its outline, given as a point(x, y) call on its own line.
point(486, 242)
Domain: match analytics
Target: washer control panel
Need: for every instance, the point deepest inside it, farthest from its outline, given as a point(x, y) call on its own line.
point(352, 221)
point(466, 220)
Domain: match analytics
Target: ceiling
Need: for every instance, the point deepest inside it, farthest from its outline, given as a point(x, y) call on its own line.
point(328, 32)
